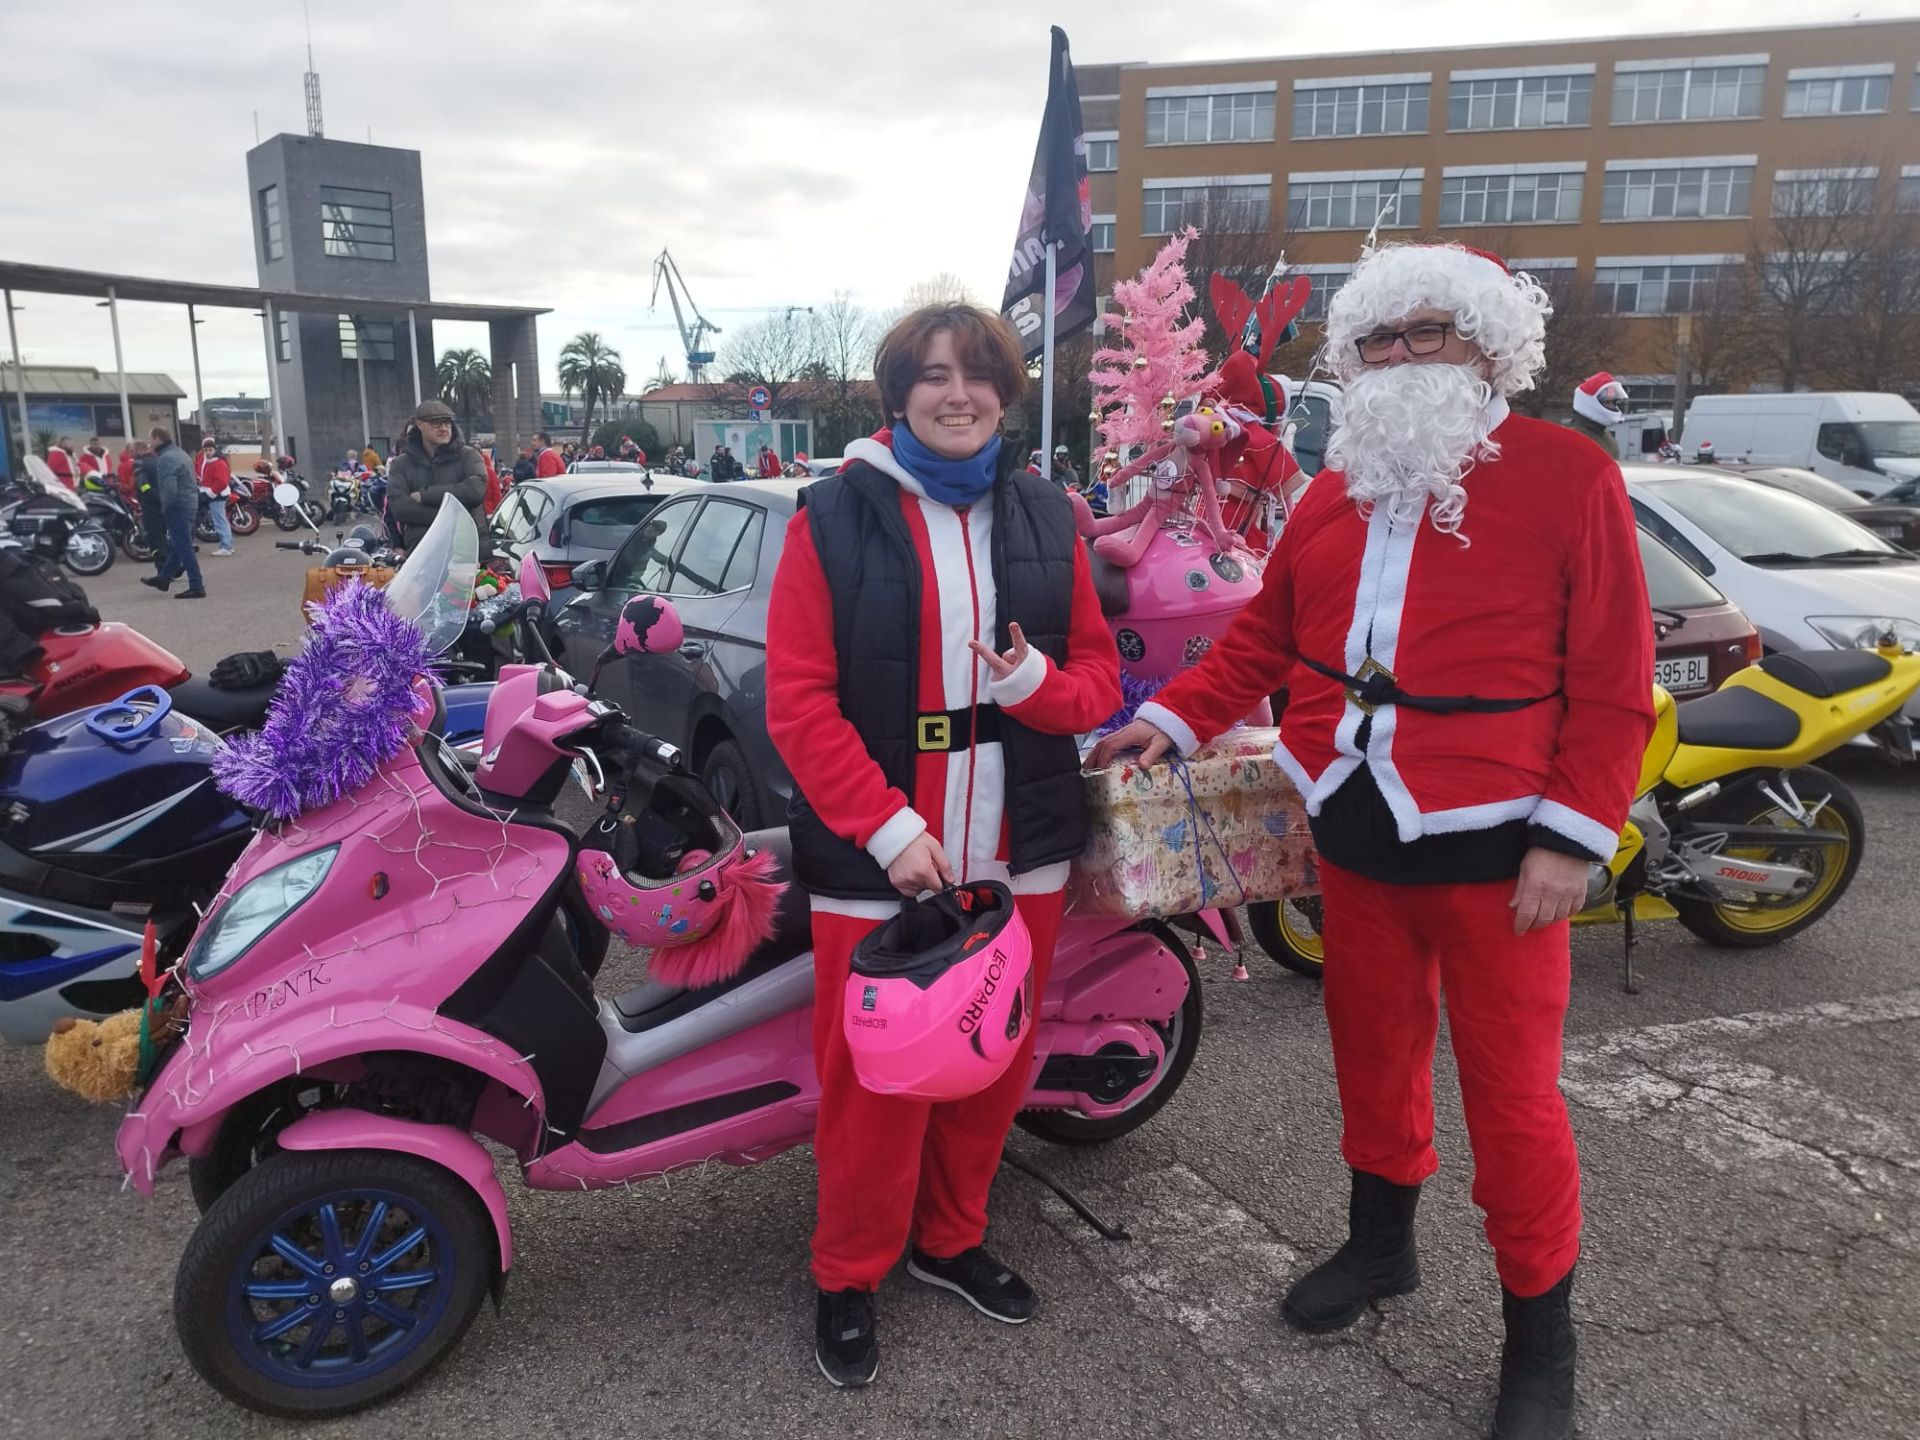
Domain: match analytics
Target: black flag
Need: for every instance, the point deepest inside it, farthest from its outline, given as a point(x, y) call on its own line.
point(1058, 211)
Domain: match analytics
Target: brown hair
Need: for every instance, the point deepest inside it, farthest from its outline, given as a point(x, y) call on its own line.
point(983, 340)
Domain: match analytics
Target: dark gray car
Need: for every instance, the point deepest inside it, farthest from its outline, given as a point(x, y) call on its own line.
point(712, 551)
point(567, 520)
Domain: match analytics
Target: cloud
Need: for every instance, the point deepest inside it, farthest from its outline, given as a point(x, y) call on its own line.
point(783, 152)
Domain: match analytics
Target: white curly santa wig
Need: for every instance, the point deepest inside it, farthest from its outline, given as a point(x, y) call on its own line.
point(1504, 315)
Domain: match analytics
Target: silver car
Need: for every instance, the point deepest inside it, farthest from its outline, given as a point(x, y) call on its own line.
point(567, 520)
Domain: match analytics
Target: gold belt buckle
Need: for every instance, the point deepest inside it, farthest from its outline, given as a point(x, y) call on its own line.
point(1366, 672)
point(935, 732)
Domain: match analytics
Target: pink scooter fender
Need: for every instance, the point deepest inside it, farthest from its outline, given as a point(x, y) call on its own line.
point(445, 1146)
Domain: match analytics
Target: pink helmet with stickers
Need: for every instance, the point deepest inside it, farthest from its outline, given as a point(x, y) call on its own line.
point(648, 626)
point(674, 876)
point(939, 998)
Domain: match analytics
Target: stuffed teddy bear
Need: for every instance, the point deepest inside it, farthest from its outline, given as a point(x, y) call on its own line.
point(100, 1059)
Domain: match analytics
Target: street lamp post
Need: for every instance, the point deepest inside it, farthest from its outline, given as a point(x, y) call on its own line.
point(199, 391)
point(19, 378)
point(120, 364)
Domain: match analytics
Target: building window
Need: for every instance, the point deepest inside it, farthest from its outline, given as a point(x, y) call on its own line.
point(283, 336)
point(1839, 94)
point(273, 240)
point(1368, 109)
point(1102, 155)
point(1906, 199)
point(1353, 204)
point(361, 337)
point(1699, 92)
point(1325, 279)
point(1238, 208)
point(357, 224)
point(1811, 284)
point(1693, 192)
point(1519, 102)
point(1671, 289)
point(1209, 119)
point(1803, 193)
point(1102, 234)
point(1522, 198)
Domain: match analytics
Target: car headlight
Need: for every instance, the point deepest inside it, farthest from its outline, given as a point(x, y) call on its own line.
point(256, 908)
point(1865, 632)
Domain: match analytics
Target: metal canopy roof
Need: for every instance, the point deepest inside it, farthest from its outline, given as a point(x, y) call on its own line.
point(53, 280)
point(85, 380)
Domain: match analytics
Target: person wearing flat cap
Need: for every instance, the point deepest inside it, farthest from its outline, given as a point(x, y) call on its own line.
point(434, 462)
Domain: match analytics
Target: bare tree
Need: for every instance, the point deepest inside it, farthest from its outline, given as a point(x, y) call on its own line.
point(1875, 345)
point(844, 337)
point(1580, 339)
point(1721, 328)
point(774, 352)
point(1241, 241)
point(663, 376)
point(943, 288)
point(1807, 260)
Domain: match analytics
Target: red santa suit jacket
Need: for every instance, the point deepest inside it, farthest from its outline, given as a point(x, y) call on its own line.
point(1547, 598)
point(213, 473)
point(959, 795)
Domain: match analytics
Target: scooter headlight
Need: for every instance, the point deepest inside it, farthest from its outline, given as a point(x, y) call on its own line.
point(1865, 632)
point(256, 908)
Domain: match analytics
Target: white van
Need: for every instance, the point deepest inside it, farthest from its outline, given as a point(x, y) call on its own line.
point(1867, 442)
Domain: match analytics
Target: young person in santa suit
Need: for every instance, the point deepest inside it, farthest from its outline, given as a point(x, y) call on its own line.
point(934, 643)
point(1458, 613)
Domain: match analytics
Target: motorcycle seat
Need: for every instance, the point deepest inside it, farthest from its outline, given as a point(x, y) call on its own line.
point(1109, 583)
point(1737, 719)
point(652, 1003)
point(1825, 673)
point(223, 709)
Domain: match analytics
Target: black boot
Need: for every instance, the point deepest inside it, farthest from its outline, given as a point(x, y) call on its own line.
point(1536, 1366)
point(1377, 1260)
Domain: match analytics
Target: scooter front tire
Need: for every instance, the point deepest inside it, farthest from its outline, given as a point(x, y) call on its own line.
point(252, 1335)
point(1181, 1036)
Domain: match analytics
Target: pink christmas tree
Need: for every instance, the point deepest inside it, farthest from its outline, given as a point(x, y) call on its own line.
point(1158, 353)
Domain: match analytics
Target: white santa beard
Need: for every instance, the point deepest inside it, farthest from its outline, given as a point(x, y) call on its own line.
point(1407, 434)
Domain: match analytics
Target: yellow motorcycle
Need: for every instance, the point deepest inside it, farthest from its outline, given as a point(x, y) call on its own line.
point(1734, 832)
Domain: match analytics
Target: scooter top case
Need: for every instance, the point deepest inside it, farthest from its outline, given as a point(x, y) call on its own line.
point(117, 806)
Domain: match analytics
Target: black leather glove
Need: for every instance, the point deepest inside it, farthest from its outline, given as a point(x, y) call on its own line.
point(246, 670)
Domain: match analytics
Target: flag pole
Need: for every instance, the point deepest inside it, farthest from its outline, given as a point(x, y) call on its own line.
point(1046, 369)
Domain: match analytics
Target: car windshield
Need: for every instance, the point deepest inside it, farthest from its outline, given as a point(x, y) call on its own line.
point(41, 477)
point(1899, 439)
point(1766, 526)
point(1672, 584)
point(1816, 488)
point(1311, 414)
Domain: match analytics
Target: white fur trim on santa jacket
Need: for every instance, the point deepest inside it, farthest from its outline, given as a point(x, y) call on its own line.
point(1547, 598)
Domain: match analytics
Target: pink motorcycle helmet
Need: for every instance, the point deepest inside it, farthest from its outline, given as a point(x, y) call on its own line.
point(674, 876)
point(939, 998)
point(648, 626)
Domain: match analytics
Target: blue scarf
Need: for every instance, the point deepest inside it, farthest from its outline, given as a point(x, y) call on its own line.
point(951, 482)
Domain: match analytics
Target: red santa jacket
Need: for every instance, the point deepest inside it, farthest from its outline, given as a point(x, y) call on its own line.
point(1547, 598)
point(213, 473)
point(548, 462)
point(61, 464)
point(959, 795)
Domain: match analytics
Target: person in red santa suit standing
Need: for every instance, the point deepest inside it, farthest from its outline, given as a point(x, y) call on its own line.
point(1458, 612)
point(934, 643)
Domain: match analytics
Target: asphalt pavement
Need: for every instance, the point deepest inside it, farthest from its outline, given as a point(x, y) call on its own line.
point(1750, 1136)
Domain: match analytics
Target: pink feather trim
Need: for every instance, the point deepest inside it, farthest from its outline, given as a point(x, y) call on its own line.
point(742, 921)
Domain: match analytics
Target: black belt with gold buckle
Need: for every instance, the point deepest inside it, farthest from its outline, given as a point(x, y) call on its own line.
point(938, 731)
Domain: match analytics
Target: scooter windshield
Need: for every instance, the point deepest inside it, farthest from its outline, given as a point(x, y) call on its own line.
point(48, 484)
point(434, 589)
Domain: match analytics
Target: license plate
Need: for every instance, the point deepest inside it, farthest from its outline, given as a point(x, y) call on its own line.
point(1682, 672)
point(1891, 532)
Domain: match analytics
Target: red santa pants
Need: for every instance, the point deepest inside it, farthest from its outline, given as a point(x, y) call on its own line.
point(1391, 950)
point(891, 1166)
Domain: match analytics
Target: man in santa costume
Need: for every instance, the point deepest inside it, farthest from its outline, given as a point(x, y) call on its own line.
point(1457, 611)
point(1599, 403)
point(95, 465)
point(215, 476)
point(60, 461)
point(934, 643)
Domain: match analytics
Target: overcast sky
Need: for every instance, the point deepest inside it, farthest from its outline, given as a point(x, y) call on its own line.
point(782, 150)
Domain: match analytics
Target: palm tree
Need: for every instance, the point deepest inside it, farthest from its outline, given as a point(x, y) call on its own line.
point(465, 380)
point(588, 364)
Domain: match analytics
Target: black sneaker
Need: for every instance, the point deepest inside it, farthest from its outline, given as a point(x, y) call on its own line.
point(194, 594)
point(843, 1342)
point(979, 1279)
point(155, 581)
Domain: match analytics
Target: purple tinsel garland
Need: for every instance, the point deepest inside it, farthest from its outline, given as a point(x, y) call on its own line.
point(1135, 691)
point(344, 708)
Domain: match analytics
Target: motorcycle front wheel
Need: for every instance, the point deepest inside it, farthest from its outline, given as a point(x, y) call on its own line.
point(243, 517)
point(89, 552)
point(285, 517)
point(203, 530)
point(1752, 925)
point(136, 546)
point(1180, 1037)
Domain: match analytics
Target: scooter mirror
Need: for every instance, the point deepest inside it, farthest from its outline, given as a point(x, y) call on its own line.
point(286, 494)
point(648, 625)
point(533, 580)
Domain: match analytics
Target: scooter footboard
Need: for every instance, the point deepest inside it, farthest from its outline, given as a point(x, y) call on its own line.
point(1131, 975)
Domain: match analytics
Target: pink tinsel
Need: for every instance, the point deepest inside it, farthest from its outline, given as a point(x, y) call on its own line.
point(742, 921)
point(1151, 328)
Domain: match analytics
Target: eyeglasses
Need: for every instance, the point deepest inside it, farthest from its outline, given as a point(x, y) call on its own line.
point(436, 424)
point(1423, 339)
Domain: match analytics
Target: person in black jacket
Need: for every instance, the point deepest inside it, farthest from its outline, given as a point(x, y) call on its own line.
point(434, 462)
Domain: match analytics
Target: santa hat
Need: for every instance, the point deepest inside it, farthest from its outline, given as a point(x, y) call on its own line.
point(1591, 397)
point(1504, 314)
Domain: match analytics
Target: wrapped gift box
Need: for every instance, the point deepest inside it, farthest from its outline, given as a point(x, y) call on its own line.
point(1224, 827)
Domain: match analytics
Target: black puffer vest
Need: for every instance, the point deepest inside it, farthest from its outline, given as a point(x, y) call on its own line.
point(874, 576)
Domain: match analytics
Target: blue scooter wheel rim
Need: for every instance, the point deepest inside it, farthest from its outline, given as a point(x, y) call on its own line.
point(340, 1288)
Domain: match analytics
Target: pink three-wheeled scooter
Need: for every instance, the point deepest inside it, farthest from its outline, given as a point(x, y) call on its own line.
point(386, 978)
